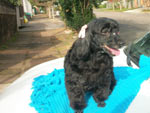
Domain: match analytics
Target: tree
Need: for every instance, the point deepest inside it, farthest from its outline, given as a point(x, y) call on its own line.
point(32, 2)
point(76, 13)
point(44, 0)
point(12, 2)
point(16, 2)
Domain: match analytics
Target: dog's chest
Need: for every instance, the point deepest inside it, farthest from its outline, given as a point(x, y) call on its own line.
point(90, 78)
point(98, 61)
point(93, 71)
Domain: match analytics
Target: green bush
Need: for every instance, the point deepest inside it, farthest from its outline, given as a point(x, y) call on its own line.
point(12, 2)
point(102, 6)
point(16, 2)
point(76, 13)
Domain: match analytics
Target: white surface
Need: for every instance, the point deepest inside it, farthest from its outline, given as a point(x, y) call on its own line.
point(121, 60)
point(27, 7)
point(16, 98)
point(141, 104)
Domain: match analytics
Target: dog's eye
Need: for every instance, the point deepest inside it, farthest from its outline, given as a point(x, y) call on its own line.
point(114, 33)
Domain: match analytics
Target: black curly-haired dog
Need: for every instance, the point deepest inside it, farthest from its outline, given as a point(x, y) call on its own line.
point(89, 64)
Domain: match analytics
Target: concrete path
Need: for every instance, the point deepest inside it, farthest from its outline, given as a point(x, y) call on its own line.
point(34, 45)
point(42, 22)
point(138, 10)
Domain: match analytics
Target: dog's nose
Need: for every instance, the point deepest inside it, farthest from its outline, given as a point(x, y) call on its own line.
point(121, 43)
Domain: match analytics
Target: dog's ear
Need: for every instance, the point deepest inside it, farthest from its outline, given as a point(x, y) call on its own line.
point(82, 45)
point(81, 48)
point(106, 28)
point(109, 27)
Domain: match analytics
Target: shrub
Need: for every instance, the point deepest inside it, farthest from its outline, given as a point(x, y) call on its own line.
point(76, 13)
point(16, 2)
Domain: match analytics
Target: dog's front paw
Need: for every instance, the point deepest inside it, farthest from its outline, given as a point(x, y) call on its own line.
point(79, 111)
point(101, 104)
point(78, 106)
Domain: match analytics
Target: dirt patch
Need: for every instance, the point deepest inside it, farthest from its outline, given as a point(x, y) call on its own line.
point(30, 49)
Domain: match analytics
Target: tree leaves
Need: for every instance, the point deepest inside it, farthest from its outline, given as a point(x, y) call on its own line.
point(76, 13)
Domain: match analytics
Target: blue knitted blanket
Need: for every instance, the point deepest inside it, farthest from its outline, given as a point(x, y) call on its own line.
point(49, 93)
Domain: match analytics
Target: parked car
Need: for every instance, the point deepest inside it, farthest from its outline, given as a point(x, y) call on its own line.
point(130, 54)
point(137, 48)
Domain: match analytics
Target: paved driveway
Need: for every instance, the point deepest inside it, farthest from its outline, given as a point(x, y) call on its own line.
point(41, 40)
point(42, 22)
point(132, 25)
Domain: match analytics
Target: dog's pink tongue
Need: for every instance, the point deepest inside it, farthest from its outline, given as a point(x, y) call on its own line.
point(113, 51)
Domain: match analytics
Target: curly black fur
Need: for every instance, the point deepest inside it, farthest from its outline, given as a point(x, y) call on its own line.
point(89, 65)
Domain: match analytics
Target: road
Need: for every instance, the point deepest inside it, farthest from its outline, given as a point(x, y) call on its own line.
point(132, 25)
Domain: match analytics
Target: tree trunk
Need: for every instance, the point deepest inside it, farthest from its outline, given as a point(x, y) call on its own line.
point(135, 4)
point(113, 5)
point(129, 5)
point(120, 5)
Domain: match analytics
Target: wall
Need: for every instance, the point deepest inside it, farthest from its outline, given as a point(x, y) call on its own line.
point(8, 23)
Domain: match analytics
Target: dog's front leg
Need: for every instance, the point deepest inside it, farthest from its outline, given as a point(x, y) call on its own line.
point(113, 83)
point(103, 89)
point(76, 95)
point(100, 95)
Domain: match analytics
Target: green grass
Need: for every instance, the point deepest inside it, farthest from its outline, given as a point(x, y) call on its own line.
point(116, 10)
point(3, 47)
point(146, 10)
point(11, 40)
point(14, 38)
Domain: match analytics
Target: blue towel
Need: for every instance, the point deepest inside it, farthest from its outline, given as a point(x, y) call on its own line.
point(49, 92)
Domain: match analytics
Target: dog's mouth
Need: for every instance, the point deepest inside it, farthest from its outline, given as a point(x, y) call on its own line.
point(113, 51)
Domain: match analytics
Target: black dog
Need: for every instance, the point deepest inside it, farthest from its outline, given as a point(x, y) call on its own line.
point(89, 64)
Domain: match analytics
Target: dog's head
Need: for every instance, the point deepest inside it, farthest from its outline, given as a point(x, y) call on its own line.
point(104, 33)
